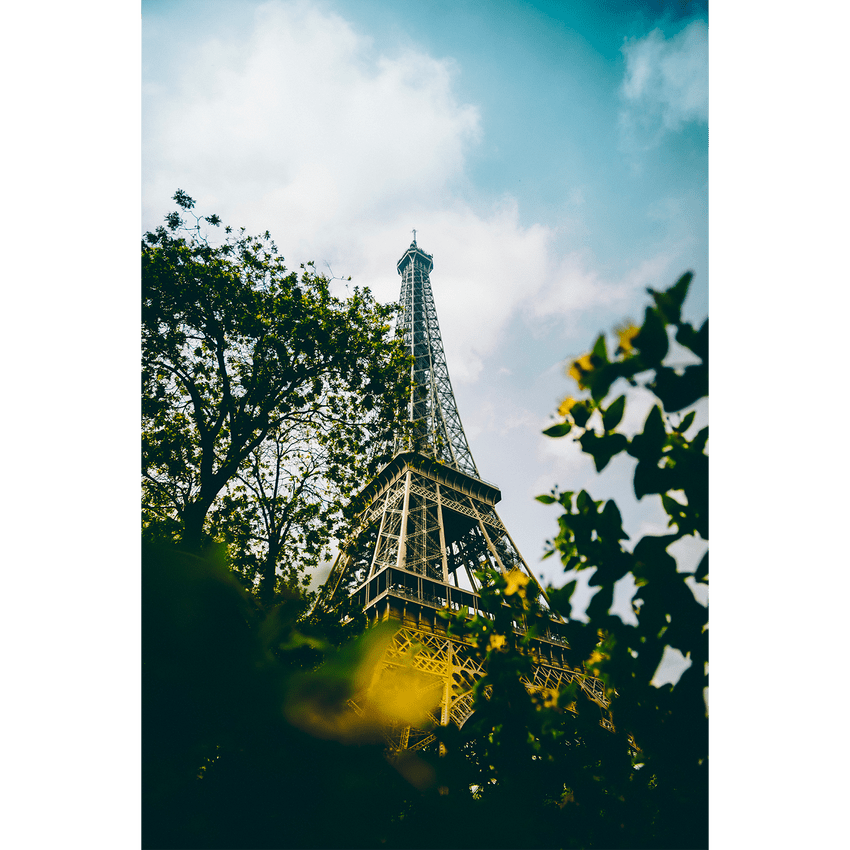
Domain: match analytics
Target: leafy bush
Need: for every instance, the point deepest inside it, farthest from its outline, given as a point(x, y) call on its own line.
point(547, 756)
point(669, 724)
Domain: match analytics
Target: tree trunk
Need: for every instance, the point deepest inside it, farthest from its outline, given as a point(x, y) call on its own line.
point(269, 574)
point(193, 525)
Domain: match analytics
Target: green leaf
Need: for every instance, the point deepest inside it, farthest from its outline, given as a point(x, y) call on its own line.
point(611, 522)
point(649, 444)
point(650, 478)
point(546, 499)
point(602, 448)
point(600, 380)
point(670, 301)
point(601, 603)
point(559, 598)
point(672, 507)
point(701, 342)
point(613, 415)
point(652, 560)
point(686, 422)
point(679, 391)
point(599, 350)
point(701, 573)
point(696, 341)
point(652, 341)
point(584, 503)
point(183, 200)
point(581, 412)
point(566, 500)
point(559, 430)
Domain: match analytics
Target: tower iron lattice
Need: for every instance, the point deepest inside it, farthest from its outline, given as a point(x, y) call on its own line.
point(430, 522)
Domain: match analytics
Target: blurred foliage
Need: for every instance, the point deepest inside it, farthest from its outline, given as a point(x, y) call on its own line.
point(542, 769)
point(668, 724)
point(262, 722)
point(267, 401)
point(222, 765)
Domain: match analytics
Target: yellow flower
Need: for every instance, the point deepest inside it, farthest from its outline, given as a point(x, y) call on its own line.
point(626, 335)
point(567, 797)
point(566, 405)
point(580, 367)
point(517, 580)
point(381, 695)
point(550, 698)
point(496, 642)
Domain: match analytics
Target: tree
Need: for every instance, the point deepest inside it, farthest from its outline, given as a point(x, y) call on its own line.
point(265, 397)
point(669, 724)
point(544, 757)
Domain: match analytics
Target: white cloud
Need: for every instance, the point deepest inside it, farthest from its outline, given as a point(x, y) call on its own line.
point(666, 80)
point(500, 418)
point(302, 129)
point(299, 126)
point(576, 286)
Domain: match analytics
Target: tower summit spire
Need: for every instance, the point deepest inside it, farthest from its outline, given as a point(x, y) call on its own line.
point(431, 409)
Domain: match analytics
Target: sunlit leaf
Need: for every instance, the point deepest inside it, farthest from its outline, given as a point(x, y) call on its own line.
point(612, 415)
point(652, 340)
point(669, 302)
point(559, 430)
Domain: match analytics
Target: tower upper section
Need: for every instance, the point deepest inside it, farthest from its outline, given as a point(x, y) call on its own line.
point(431, 408)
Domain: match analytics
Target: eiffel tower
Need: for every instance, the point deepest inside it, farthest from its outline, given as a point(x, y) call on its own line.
point(429, 524)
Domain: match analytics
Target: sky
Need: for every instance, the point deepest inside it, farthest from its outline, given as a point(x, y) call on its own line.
point(552, 157)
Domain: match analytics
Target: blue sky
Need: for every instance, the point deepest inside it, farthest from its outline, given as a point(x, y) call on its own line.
point(552, 156)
